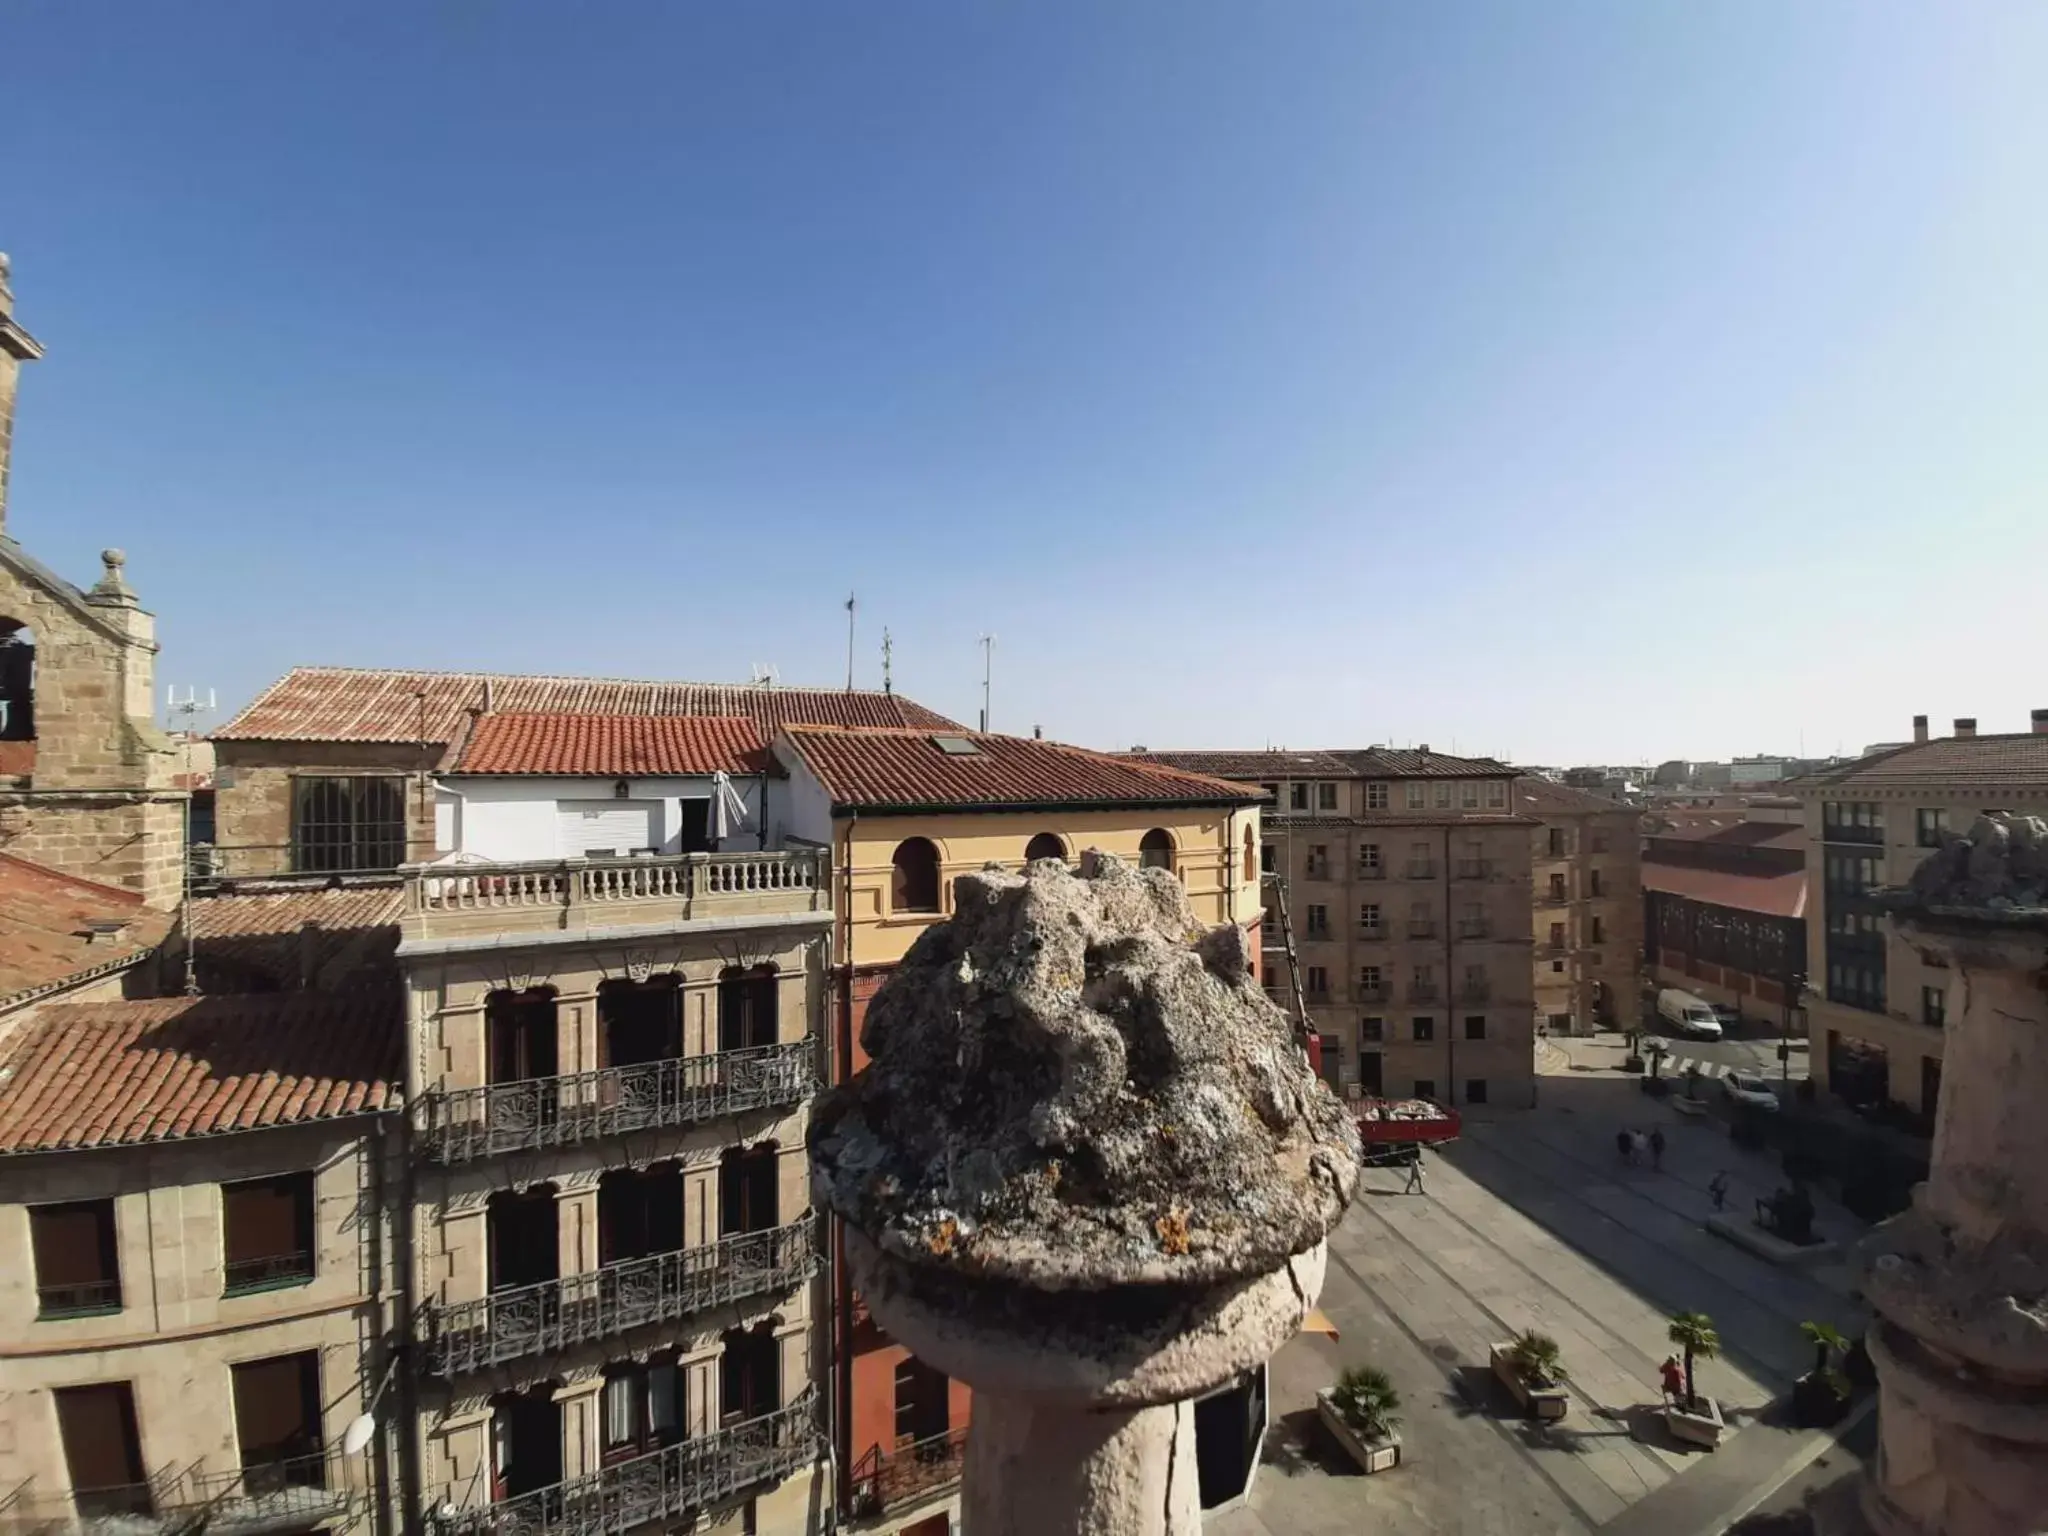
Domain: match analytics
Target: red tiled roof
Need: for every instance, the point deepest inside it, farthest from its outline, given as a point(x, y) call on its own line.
point(46, 922)
point(1774, 895)
point(1416, 763)
point(907, 770)
point(614, 746)
point(354, 704)
point(2019, 760)
point(111, 1074)
point(1723, 833)
point(1262, 766)
point(341, 938)
point(1543, 796)
point(1398, 819)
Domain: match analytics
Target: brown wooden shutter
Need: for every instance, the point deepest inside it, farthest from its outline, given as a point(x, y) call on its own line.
point(97, 1423)
point(277, 1407)
point(74, 1244)
point(265, 1218)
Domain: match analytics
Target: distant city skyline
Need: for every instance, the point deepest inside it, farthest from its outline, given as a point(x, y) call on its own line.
point(1574, 384)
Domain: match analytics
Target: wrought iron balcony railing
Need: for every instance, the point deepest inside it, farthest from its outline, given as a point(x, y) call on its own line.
point(885, 1479)
point(293, 1494)
point(81, 1300)
point(681, 1479)
point(457, 1125)
point(525, 1320)
point(240, 1276)
point(277, 1496)
point(1374, 994)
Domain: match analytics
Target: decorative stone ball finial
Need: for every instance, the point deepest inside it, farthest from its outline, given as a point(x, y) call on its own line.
point(112, 590)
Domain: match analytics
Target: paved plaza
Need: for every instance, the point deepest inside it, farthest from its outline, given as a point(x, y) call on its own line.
point(1533, 1221)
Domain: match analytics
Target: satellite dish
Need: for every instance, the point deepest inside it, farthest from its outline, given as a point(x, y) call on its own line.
point(362, 1429)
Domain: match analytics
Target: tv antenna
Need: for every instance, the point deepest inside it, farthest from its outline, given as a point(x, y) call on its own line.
point(988, 646)
point(765, 674)
point(888, 646)
point(849, 641)
point(185, 713)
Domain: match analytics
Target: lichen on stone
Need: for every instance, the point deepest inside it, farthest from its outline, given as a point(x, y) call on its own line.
point(1073, 1084)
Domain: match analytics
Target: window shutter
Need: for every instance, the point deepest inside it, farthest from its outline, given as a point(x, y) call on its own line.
point(277, 1412)
point(74, 1244)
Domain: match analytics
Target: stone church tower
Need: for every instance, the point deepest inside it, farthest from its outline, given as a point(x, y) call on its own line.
point(86, 777)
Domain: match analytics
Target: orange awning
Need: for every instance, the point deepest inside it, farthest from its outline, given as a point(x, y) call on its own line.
point(1315, 1322)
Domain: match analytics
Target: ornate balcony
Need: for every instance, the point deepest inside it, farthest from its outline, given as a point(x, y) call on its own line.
point(273, 1496)
point(552, 1315)
point(291, 1495)
point(452, 902)
point(461, 1124)
point(883, 1480)
point(663, 1486)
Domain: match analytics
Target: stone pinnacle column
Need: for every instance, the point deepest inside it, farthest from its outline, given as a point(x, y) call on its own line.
point(16, 347)
point(1088, 1172)
point(1959, 1283)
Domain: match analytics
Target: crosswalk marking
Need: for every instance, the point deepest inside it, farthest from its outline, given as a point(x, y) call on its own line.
point(1675, 1066)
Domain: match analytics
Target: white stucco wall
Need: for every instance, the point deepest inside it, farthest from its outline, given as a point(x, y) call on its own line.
point(519, 819)
point(809, 806)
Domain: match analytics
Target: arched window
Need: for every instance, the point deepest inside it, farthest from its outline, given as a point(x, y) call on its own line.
point(1046, 845)
point(1155, 850)
point(1251, 855)
point(17, 681)
point(916, 884)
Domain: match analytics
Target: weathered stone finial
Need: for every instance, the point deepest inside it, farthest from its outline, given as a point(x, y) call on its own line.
point(112, 589)
point(1089, 1172)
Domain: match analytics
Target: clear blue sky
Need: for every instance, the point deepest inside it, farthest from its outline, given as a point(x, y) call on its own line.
point(1576, 381)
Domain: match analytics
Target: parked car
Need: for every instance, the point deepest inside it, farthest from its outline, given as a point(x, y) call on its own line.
point(1750, 1088)
point(1687, 1014)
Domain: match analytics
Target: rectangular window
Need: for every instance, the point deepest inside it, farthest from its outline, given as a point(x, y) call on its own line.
point(1475, 1090)
point(1369, 859)
point(1557, 935)
point(1424, 1027)
point(1271, 792)
point(1472, 920)
point(1369, 981)
point(1425, 1088)
point(266, 1233)
point(1318, 921)
point(1468, 795)
point(1933, 1006)
point(77, 1270)
point(1372, 1030)
point(1420, 865)
point(1475, 1026)
point(1558, 848)
point(1599, 842)
point(1369, 916)
point(1593, 885)
point(1376, 796)
point(1418, 796)
point(1297, 797)
point(1496, 794)
point(1443, 795)
point(352, 822)
point(1557, 967)
point(1930, 825)
point(1476, 979)
point(102, 1452)
point(1269, 860)
point(1560, 1023)
point(1326, 797)
point(1318, 981)
point(1557, 891)
point(1596, 931)
point(922, 1410)
point(1319, 861)
point(277, 1415)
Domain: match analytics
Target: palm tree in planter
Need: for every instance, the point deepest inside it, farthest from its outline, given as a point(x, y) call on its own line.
point(1532, 1367)
point(1820, 1396)
point(1363, 1412)
point(1700, 1419)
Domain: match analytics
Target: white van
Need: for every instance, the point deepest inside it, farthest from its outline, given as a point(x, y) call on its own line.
point(1687, 1014)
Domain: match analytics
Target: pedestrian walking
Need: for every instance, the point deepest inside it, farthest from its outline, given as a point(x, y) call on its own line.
point(1625, 1144)
point(1657, 1148)
point(1637, 1143)
point(1717, 1187)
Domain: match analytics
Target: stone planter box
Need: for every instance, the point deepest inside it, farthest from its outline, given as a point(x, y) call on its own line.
point(1768, 1246)
point(1704, 1427)
point(1371, 1455)
point(1539, 1402)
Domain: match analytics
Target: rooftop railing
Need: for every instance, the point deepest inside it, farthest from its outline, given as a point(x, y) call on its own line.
point(526, 1320)
point(888, 1479)
point(461, 1124)
point(562, 883)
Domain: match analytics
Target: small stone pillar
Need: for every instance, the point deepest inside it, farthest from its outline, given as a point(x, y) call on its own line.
point(1089, 1172)
point(1958, 1284)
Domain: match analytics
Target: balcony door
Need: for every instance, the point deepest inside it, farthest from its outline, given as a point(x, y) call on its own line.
point(526, 1444)
point(747, 1008)
point(747, 1191)
point(640, 1021)
point(524, 1237)
point(523, 1035)
point(639, 1214)
point(749, 1375)
point(277, 1421)
point(102, 1452)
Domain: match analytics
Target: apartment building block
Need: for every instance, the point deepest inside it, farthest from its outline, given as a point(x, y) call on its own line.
point(1586, 868)
point(1406, 878)
point(1875, 1005)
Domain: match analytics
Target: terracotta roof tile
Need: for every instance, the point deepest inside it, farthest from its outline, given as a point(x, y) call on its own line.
point(1414, 763)
point(909, 770)
point(1774, 895)
point(112, 1074)
point(614, 746)
point(1541, 796)
point(2019, 760)
point(46, 922)
point(1261, 766)
point(338, 938)
point(353, 704)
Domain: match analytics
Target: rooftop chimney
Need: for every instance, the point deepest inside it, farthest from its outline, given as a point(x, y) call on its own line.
point(1966, 728)
point(16, 347)
point(2040, 720)
point(1919, 729)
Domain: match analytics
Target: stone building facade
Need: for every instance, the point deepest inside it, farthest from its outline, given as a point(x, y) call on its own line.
point(1586, 867)
point(1407, 881)
point(86, 777)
